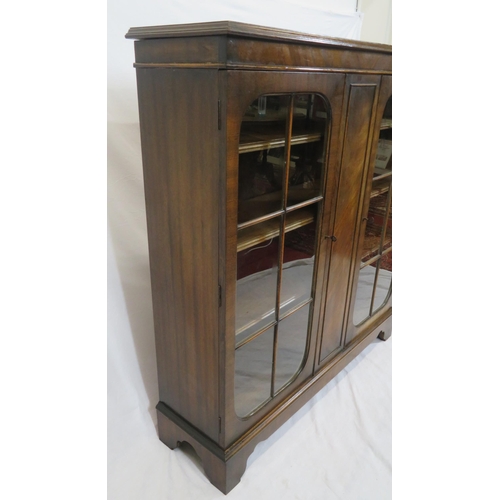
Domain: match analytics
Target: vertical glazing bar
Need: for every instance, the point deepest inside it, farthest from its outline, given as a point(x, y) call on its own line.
point(286, 169)
point(286, 178)
point(275, 350)
point(386, 218)
point(374, 289)
point(381, 247)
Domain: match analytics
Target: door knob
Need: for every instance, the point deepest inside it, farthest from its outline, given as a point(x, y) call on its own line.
point(331, 238)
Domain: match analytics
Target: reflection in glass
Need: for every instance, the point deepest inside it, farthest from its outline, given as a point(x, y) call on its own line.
point(364, 308)
point(262, 157)
point(378, 226)
point(307, 148)
point(281, 165)
point(374, 282)
point(260, 183)
point(253, 372)
point(298, 262)
point(364, 294)
point(384, 278)
point(257, 275)
point(292, 336)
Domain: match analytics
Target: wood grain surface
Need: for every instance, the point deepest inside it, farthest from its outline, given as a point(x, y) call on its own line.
point(195, 83)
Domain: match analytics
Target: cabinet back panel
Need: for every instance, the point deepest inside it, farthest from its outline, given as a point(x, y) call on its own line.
point(178, 115)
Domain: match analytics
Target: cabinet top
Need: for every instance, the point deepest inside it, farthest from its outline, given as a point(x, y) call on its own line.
point(232, 28)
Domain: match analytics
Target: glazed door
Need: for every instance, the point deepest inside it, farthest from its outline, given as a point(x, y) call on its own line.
point(280, 196)
point(359, 112)
point(370, 297)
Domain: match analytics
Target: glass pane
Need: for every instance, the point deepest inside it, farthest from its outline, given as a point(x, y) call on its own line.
point(274, 263)
point(374, 281)
point(384, 281)
point(383, 161)
point(364, 293)
point(377, 216)
point(292, 336)
point(298, 257)
point(262, 156)
point(307, 153)
point(253, 372)
point(257, 275)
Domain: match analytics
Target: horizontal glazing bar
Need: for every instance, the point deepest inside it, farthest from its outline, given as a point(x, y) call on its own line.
point(370, 261)
point(252, 236)
point(295, 309)
point(373, 259)
point(254, 335)
point(304, 203)
point(258, 220)
point(387, 250)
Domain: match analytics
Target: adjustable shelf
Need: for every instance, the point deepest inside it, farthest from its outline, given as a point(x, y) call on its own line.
point(264, 231)
point(371, 245)
point(262, 136)
point(380, 187)
point(386, 123)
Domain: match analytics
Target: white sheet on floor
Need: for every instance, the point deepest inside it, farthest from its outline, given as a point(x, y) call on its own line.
point(338, 446)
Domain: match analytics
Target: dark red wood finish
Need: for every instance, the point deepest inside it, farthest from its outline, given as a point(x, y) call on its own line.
point(181, 182)
point(352, 331)
point(359, 102)
point(194, 84)
point(243, 88)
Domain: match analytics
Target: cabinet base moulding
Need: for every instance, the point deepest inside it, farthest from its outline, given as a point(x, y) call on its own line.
point(223, 472)
point(225, 467)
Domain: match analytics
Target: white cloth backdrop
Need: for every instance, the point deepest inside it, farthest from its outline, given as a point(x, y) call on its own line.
point(339, 445)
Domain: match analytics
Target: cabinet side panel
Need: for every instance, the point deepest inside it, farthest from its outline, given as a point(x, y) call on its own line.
point(179, 115)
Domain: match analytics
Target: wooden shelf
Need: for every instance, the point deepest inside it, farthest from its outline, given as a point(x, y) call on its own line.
point(273, 115)
point(386, 123)
point(380, 186)
point(269, 203)
point(264, 231)
point(262, 136)
point(259, 206)
point(371, 244)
